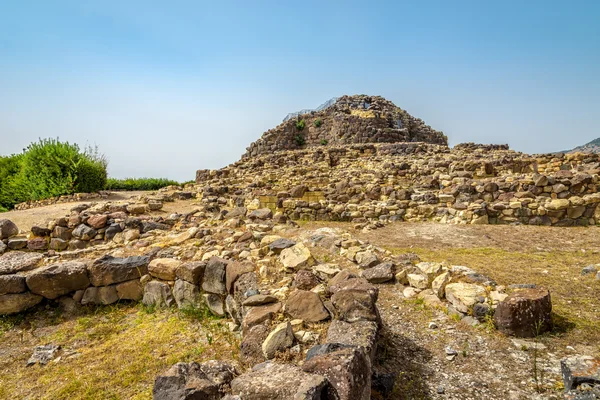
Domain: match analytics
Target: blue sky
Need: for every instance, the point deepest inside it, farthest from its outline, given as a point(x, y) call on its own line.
point(165, 88)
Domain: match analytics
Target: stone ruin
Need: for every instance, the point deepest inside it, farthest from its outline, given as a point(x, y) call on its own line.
point(308, 323)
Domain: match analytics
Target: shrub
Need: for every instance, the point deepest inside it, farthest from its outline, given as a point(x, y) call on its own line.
point(139, 183)
point(318, 122)
point(324, 142)
point(299, 139)
point(50, 168)
point(300, 125)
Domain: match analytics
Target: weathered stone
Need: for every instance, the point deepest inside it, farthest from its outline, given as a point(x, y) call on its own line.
point(305, 280)
point(17, 243)
point(2, 247)
point(58, 244)
point(278, 382)
point(281, 244)
point(525, 313)
point(356, 284)
point(130, 290)
point(214, 276)
point(54, 280)
point(10, 284)
point(580, 369)
point(7, 229)
point(259, 300)
point(158, 294)
point(251, 346)
point(439, 284)
point(355, 305)
point(234, 270)
point(186, 294)
point(191, 272)
point(262, 213)
point(260, 314)
point(360, 333)
point(107, 270)
point(463, 295)
point(347, 370)
point(164, 268)
point(430, 269)
point(100, 295)
point(214, 302)
point(84, 232)
point(18, 302)
point(381, 273)
point(279, 339)
point(366, 259)
point(297, 257)
point(37, 244)
point(306, 305)
point(97, 221)
point(185, 382)
point(62, 232)
point(418, 281)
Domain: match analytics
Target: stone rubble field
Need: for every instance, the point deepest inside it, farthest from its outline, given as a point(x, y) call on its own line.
point(366, 261)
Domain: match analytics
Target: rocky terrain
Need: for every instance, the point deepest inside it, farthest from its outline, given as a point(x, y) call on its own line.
point(591, 147)
point(300, 284)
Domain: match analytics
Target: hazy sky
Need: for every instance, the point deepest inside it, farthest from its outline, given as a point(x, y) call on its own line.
point(165, 88)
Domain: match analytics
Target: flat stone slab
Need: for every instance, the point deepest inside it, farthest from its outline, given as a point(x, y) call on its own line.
point(278, 382)
point(580, 369)
point(17, 261)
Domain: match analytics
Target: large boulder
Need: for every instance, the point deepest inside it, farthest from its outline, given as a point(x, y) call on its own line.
point(463, 296)
point(130, 290)
point(214, 276)
point(348, 371)
point(100, 295)
point(307, 306)
point(108, 269)
point(17, 261)
point(164, 268)
point(7, 229)
point(278, 382)
point(191, 272)
point(12, 284)
point(55, 280)
point(158, 294)
point(297, 257)
point(360, 333)
point(17, 302)
point(355, 305)
point(186, 294)
point(525, 313)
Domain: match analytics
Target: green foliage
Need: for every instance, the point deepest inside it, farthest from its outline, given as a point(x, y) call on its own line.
point(318, 122)
point(139, 183)
point(324, 142)
point(300, 125)
point(299, 139)
point(49, 168)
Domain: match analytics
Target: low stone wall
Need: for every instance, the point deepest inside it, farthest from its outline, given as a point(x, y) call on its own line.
point(61, 199)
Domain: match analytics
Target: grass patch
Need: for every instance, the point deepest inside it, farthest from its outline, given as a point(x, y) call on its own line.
point(111, 352)
point(575, 298)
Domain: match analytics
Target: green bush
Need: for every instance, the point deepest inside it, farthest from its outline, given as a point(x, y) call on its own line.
point(318, 122)
point(299, 139)
point(50, 168)
point(139, 183)
point(324, 142)
point(300, 125)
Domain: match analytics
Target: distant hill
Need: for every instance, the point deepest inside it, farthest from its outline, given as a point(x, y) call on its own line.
point(591, 147)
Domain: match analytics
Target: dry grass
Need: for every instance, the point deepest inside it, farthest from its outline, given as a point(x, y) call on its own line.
point(575, 298)
point(107, 353)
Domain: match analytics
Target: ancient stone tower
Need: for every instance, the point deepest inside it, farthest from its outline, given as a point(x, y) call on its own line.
point(348, 120)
